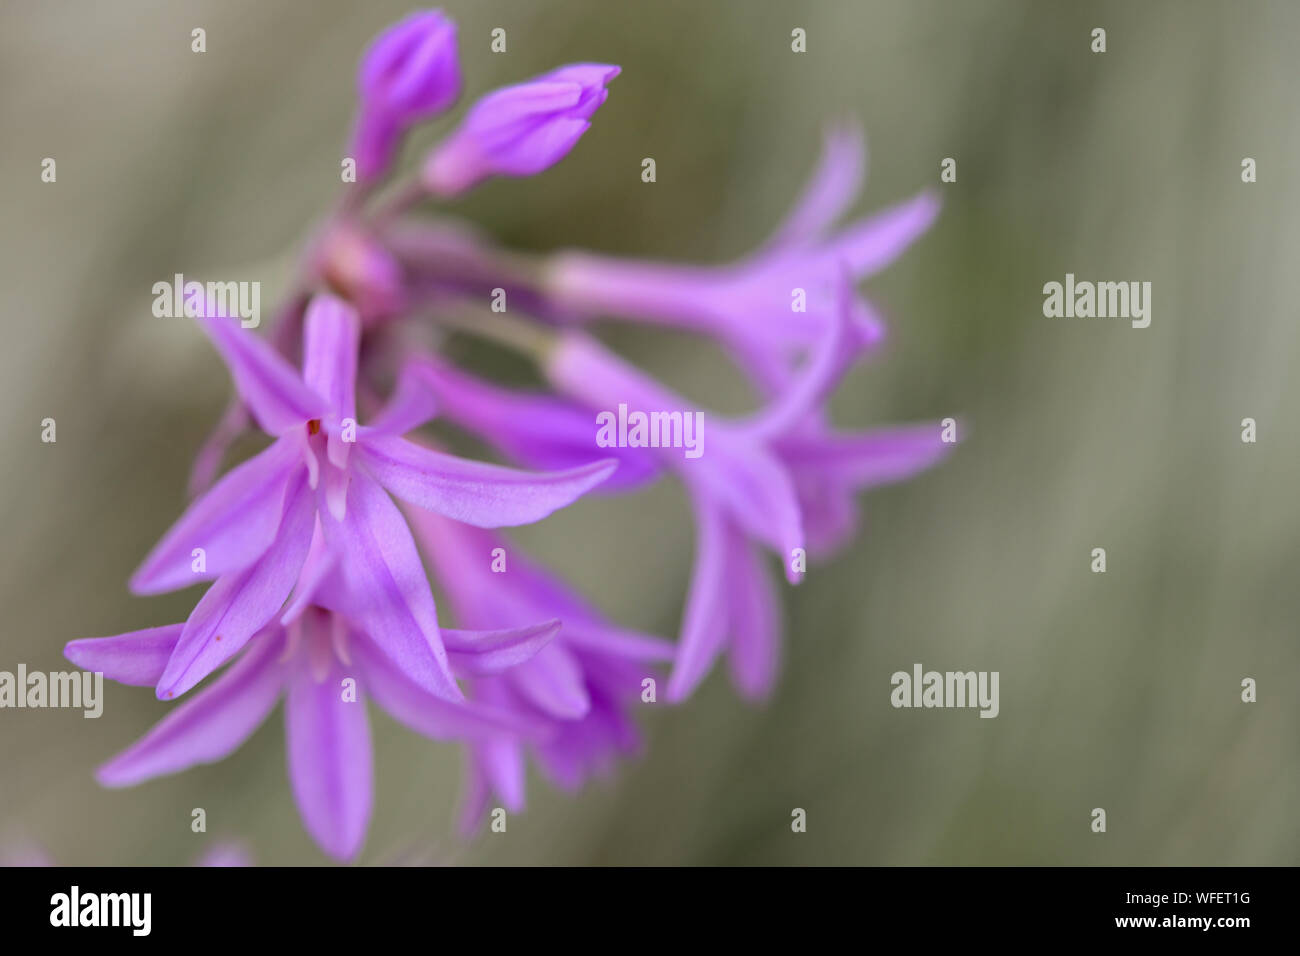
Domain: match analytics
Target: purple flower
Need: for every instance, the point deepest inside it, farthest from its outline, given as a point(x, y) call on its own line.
point(318, 592)
point(254, 528)
point(755, 484)
point(579, 688)
point(519, 130)
point(778, 301)
point(325, 668)
point(408, 74)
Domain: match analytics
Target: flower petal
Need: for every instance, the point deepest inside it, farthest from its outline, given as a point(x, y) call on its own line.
point(330, 765)
point(434, 717)
point(754, 620)
point(233, 523)
point(136, 658)
point(759, 494)
point(271, 388)
point(831, 189)
point(209, 726)
point(873, 243)
point(319, 564)
point(488, 496)
point(388, 592)
point(869, 458)
point(834, 353)
point(410, 406)
point(240, 604)
point(484, 653)
point(331, 338)
point(554, 682)
point(705, 619)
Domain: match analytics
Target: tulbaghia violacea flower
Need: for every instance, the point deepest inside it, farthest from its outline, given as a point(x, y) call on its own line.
point(325, 668)
point(253, 529)
point(409, 73)
point(755, 483)
point(319, 594)
point(519, 130)
point(774, 303)
point(580, 687)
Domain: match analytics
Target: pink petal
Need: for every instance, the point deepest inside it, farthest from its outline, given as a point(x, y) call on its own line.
point(270, 387)
point(554, 682)
point(330, 765)
point(830, 191)
point(754, 620)
point(240, 604)
point(705, 620)
point(387, 589)
point(872, 244)
point(484, 653)
point(410, 406)
point(331, 338)
point(234, 523)
point(209, 726)
point(488, 496)
point(434, 717)
point(136, 658)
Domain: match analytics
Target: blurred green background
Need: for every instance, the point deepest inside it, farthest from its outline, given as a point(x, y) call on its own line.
point(1119, 690)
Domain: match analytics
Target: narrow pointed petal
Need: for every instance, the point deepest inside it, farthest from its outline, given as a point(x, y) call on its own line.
point(434, 717)
point(493, 769)
point(754, 656)
point(410, 406)
point(270, 387)
point(834, 353)
point(503, 765)
point(704, 621)
point(484, 653)
point(831, 190)
point(872, 244)
point(554, 682)
point(488, 496)
point(331, 338)
point(234, 523)
point(320, 562)
point(209, 726)
point(869, 458)
point(136, 658)
point(330, 767)
point(388, 592)
point(759, 494)
point(239, 605)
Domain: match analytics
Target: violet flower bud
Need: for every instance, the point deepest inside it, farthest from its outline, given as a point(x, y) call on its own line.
point(408, 74)
point(519, 130)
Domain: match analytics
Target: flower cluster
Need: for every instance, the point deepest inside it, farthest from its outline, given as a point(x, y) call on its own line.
point(319, 591)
